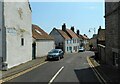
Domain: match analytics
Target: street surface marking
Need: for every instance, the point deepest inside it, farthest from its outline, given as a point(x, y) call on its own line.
point(21, 73)
point(56, 75)
point(96, 72)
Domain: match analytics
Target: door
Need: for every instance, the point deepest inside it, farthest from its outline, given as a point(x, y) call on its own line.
point(34, 51)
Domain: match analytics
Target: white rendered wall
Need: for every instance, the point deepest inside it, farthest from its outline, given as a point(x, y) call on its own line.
point(43, 47)
point(18, 25)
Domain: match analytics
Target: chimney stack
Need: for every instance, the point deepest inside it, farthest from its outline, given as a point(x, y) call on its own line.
point(64, 27)
point(72, 28)
point(99, 29)
point(78, 32)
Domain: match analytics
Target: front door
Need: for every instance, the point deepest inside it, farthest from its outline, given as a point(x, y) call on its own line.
point(34, 51)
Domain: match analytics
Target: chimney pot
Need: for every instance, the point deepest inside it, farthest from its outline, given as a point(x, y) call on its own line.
point(72, 28)
point(78, 32)
point(64, 27)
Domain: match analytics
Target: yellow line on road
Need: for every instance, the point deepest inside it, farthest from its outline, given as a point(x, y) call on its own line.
point(100, 78)
point(21, 73)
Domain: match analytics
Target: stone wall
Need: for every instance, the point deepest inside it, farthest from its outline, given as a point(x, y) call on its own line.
point(112, 26)
point(101, 53)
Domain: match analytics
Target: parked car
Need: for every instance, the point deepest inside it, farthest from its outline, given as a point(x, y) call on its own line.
point(55, 54)
point(81, 49)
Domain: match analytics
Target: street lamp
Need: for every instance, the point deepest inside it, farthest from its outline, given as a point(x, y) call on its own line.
point(92, 29)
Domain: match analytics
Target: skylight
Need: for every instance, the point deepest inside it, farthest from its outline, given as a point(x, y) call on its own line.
point(38, 31)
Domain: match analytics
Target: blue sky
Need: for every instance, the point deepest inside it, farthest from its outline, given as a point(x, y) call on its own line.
point(81, 15)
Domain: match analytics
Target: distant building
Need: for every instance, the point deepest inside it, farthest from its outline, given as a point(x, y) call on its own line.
point(101, 36)
point(65, 39)
point(15, 33)
point(112, 25)
point(81, 40)
point(93, 41)
point(86, 41)
point(42, 42)
point(101, 45)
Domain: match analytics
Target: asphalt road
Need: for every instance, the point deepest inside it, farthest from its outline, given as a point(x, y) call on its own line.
point(72, 68)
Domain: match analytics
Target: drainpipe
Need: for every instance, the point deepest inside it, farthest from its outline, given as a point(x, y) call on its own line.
point(4, 64)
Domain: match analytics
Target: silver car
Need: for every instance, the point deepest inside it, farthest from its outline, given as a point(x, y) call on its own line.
point(55, 54)
point(81, 49)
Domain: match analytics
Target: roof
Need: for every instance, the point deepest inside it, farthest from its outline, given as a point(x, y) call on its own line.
point(85, 37)
point(38, 33)
point(80, 36)
point(101, 35)
point(63, 34)
point(71, 33)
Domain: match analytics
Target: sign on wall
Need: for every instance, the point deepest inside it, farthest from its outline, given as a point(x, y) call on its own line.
point(11, 31)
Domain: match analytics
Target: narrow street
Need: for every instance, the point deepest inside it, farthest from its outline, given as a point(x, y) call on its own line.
point(72, 68)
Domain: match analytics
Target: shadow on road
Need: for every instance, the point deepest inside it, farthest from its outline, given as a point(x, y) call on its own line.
point(86, 76)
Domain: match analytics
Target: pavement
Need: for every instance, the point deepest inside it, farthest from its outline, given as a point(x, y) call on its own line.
point(111, 75)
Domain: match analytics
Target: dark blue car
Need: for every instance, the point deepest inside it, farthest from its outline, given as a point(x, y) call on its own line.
point(55, 54)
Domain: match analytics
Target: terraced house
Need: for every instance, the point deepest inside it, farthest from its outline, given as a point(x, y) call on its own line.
point(65, 39)
point(15, 33)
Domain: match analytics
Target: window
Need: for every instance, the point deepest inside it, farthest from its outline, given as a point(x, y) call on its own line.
point(115, 59)
point(78, 41)
point(67, 41)
point(67, 48)
point(73, 40)
point(22, 41)
point(70, 41)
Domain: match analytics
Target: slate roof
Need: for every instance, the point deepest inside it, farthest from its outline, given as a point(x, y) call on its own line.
point(38, 33)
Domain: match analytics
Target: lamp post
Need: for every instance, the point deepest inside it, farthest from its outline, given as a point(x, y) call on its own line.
point(92, 29)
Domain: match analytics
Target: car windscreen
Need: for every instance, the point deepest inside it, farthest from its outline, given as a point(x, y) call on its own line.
point(54, 51)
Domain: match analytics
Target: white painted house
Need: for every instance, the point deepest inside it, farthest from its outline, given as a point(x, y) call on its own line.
point(65, 39)
point(15, 33)
point(42, 42)
point(74, 40)
point(62, 40)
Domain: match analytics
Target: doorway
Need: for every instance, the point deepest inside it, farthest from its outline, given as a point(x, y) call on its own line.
point(33, 51)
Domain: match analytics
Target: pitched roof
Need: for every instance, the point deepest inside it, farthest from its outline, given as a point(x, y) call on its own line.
point(71, 33)
point(101, 35)
point(80, 36)
point(63, 34)
point(85, 37)
point(38, 33)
